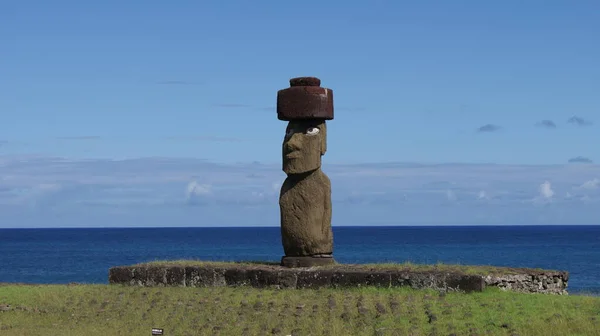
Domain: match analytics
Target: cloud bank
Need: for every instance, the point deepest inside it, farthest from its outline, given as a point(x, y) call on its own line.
point(580, 159)
point(58, 192)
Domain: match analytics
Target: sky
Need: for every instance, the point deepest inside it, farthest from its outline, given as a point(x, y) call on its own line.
point(131, 113)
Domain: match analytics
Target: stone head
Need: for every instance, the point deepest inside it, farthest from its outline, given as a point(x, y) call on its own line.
point(304, 143)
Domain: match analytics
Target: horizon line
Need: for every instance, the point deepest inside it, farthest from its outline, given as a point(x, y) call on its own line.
point(255, 227)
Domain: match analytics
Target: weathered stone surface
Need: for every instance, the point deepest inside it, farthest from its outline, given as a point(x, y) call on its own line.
point(311, 261)
point(140, 275)
point(287, 279)
point(305, 81)
point(361, 278)
point(304, 143)
point(401, 278)
point(236, 277)
point(120, 274)
point(275, 276)
point(204, 276)
point(466, 283)
point(547, 282)
point(417, 279)
point(305, 198)
point(263, 278)
point(149, 276)
point(175, 276)
point(379, 279)
point(316, 278)
point(305, 99)
point(156, 276)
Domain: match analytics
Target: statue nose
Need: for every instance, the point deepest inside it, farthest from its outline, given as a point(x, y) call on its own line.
point(294, 142)
point(291, 148)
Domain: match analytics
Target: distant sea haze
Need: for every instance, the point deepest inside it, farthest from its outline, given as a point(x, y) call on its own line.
point(55, 256)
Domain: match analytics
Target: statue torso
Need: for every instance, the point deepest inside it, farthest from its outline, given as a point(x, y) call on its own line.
point(305, 205)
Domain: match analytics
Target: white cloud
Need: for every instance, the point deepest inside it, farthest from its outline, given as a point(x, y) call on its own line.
point(195, 192)
point(482, 195)
point(591, 184)
point(194, 188)
point(546, 191)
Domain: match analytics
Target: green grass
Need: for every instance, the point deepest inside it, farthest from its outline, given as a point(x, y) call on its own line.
point(121, 310)
point(408, 266)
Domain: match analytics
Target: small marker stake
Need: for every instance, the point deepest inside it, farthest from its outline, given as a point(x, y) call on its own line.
point(157, 331)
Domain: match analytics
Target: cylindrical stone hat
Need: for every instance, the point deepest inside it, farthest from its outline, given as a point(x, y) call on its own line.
point(305, 99)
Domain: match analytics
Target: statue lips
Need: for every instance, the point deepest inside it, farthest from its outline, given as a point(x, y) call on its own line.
point(291, 154)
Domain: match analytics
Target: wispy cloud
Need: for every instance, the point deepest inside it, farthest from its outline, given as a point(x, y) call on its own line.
point(579, 121)
point(488, 128)
point(580, 159)
point(546, 124)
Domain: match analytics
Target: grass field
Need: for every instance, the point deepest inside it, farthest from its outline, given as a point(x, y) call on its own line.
point(120, 310)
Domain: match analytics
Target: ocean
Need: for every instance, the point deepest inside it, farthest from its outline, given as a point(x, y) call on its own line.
point(59, 256)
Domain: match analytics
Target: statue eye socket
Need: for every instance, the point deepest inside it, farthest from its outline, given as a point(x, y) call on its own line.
point(289, 132)
point(313, 131)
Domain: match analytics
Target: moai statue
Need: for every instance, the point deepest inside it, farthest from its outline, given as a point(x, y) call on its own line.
point(305, 199)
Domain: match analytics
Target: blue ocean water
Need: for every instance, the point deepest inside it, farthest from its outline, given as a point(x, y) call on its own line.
point(85, 255)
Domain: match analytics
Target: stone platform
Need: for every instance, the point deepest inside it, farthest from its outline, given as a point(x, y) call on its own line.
point(272, 276)
point(335, 276)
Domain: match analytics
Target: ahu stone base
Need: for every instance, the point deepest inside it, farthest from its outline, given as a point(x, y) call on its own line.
point(337, 276)
point(272, 276)
point(294, 262)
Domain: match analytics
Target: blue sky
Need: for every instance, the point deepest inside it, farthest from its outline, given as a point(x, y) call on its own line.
point(507, 91)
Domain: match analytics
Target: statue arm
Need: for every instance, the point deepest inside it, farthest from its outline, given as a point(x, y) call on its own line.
point(327, 205)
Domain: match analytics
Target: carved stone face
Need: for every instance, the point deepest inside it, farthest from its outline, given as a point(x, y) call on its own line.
point(304, 143)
